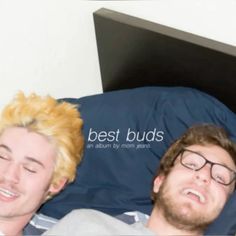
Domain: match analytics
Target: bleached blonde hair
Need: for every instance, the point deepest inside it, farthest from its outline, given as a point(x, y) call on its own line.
point(59, 122)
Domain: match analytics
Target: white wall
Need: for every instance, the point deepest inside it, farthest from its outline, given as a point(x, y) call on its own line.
point(49, 47)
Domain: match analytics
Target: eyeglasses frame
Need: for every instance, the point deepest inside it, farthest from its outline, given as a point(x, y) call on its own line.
point(206, 162)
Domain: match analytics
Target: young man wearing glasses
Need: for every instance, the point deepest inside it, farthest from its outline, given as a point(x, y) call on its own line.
point(195, 178)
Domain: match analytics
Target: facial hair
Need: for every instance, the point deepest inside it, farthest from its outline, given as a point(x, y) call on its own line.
point(16, 189)
point(188, 219)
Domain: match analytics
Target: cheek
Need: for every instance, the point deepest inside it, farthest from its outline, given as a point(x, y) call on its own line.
point(3, 167)
point(177, 177)
point(221, 194)
point(36, 182)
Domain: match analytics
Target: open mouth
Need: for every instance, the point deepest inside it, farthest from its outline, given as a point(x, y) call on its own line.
point(7, 193)
point(194, 195)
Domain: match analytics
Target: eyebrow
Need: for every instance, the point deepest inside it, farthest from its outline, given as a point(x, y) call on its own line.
point(5, 147)
point(31, 159)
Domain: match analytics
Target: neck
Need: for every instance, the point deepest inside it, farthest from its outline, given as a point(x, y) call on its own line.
point(13, 226)
point(158, 224)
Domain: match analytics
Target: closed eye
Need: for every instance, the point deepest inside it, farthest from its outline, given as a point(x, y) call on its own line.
point(30, 169)
point(220, 179)
point(191, 165)
point(2, 157)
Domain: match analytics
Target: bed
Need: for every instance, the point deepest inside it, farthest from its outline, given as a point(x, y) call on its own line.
point(157, 82)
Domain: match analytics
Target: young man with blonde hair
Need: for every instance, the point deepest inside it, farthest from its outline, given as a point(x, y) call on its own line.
point(41, 144)
point(195, 179)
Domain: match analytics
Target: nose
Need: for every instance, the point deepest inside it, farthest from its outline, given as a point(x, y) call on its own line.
point(11, 174)
point(203, 175)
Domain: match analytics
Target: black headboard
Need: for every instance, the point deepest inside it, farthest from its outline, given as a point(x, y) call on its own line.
point(134, 52)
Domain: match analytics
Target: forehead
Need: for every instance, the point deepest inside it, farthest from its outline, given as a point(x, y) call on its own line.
point(215, 154)
point(21, 142)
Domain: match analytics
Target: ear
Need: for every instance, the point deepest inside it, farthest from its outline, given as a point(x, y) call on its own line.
point(55, 188)
point(157, 183)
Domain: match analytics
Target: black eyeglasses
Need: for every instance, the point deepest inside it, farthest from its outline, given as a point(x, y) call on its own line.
point(196, 161)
